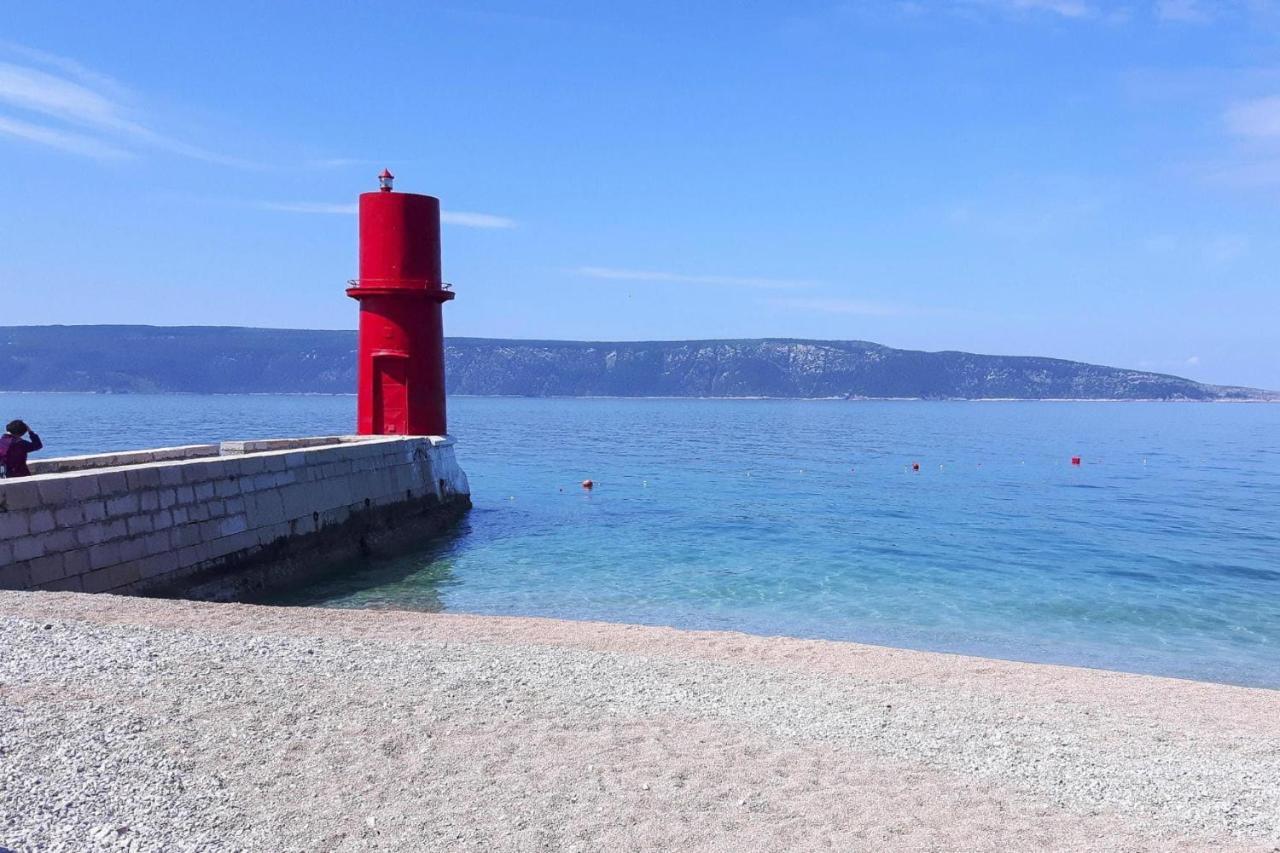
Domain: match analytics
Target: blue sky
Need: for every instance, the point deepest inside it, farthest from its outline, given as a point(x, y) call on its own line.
point(1088, 180)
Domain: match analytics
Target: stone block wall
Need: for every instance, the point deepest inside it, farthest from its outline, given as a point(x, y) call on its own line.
point(187, 520)
point(65, 464)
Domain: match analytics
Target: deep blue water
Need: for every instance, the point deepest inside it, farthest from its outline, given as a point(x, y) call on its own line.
point(1161, 553)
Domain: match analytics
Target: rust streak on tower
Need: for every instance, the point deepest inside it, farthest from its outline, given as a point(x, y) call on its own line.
point(400, 371)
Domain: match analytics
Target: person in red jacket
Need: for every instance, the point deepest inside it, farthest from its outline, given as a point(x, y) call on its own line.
point(14, 449)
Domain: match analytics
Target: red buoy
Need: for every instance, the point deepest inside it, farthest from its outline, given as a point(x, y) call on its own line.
point(1075, 460)
point(588, 485)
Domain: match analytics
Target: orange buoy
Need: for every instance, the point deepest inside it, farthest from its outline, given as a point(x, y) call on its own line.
point(588, 485)
point(1075, 460)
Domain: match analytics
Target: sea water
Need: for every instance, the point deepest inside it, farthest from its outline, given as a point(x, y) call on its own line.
point(1159, 553)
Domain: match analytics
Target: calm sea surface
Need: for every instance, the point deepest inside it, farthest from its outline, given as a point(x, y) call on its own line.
point(1160, 554)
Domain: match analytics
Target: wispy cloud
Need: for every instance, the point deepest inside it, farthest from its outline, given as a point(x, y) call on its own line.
point(1226, 248)
point(69, 67)
point(1100, 11)
point(92, 114)
point(1160, 244)
point(73, 143)
point(1065, 8)
point(475, 220)
point(832, 305)
point(1183, 11)
point(1246, 174)
point(614, 274)
point(1041, 208)
point(1062, 8)
point(1216, 250)
point(463, 218)
point(1255, 119)
point(61, 98)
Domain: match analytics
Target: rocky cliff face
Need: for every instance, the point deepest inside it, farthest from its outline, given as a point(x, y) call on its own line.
point(229, 360)
point(793, 368)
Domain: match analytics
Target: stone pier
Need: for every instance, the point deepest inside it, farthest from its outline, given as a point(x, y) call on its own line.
point(222, 521)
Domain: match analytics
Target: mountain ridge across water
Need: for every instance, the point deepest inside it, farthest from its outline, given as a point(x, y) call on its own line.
point(225, 359)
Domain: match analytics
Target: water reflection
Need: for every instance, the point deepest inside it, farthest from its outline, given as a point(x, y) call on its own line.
point(410, 581)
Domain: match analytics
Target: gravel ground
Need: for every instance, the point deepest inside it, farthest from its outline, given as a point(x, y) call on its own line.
point(139, 724)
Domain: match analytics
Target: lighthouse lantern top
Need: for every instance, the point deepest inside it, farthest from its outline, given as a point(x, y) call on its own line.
point(385, 179)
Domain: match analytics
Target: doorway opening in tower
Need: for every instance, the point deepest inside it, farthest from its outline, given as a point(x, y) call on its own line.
point(391, 394)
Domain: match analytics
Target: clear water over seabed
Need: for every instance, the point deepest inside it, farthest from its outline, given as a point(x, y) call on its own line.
point(1160, 554)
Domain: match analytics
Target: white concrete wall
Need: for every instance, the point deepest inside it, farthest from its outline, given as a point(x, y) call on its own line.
point(131, 527)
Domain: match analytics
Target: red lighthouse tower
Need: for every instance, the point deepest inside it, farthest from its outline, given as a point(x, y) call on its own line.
point(401, 348)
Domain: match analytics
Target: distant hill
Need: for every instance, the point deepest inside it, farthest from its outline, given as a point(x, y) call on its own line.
point(205, 359)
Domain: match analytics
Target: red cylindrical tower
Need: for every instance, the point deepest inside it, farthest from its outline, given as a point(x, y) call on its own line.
point(401, 347)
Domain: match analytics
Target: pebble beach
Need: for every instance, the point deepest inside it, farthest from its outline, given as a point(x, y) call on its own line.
point(147, 724)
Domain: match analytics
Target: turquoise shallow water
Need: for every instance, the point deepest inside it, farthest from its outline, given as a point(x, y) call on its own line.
point(1161, 553)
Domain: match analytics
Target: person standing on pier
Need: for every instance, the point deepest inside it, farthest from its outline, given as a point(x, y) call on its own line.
point(14, 449)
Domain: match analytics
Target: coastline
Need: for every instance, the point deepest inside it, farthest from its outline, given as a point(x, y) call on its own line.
point(345, 727)
point(836, 399)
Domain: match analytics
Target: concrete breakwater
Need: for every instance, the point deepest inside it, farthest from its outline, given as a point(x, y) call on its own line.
point(220, 521)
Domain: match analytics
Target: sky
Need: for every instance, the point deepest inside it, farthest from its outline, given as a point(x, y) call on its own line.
point(1070, 178)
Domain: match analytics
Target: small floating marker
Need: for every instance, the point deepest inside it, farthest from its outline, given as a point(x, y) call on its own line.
point(1075, 460)
point(588, 485)
point(915, 466)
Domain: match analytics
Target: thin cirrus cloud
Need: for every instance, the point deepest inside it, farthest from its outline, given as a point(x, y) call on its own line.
point(1163, 11)
point(62, 140)
point(475, 220)
point(463, 218)
point(1182, 11)
point(615, 274)
point(1246, 175)
point(1255, 119)
point(56, 102)
point(1065, 8)
point(1255, 124)
point(1062, 8)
